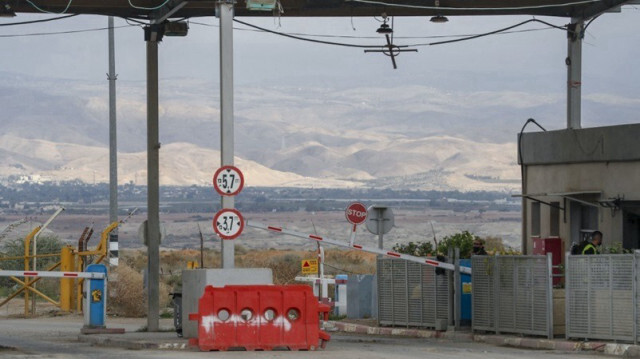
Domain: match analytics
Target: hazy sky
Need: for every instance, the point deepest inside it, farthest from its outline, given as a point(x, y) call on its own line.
point(529, 61)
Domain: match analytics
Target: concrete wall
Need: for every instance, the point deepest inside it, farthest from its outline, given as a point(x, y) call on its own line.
point(605, 159)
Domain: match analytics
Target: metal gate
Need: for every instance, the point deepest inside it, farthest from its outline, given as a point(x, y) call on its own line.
point(512, 294)
point(602, 296)
point(411, 294)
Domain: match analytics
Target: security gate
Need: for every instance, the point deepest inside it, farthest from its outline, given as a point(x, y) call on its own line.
point(512, 294)
point(411, 294)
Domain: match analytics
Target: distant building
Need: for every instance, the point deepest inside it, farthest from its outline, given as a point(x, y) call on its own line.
point(577, 181)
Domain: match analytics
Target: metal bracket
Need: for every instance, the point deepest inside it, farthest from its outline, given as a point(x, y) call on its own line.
point(165, 12)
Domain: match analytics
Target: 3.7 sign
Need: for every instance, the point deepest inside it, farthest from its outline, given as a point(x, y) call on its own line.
point(228, 181)
point(228, 223)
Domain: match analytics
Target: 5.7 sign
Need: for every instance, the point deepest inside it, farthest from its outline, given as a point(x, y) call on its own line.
point(228, 181)
point(228, 223)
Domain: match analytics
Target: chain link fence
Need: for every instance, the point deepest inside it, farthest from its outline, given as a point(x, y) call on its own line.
point(602, 297)
point(512, 294)
point(411, 294)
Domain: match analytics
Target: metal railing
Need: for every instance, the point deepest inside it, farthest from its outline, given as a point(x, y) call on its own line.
point(512, 294)
point(411, 294)
point(602, 297)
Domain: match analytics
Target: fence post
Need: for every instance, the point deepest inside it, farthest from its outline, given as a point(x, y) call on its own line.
point(567, 295)
point(66, 284)
point(456, 290)
point(496, 292)
point(549, 296)
point(406, 289)
point(450, 295)
point(634, 286)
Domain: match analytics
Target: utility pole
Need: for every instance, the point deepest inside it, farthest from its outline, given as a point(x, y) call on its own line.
point(225, 12)
point(575, 34)
point(113, 149)
point(152, 36)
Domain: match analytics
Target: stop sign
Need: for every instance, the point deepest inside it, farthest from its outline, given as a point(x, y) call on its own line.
point(356, 213)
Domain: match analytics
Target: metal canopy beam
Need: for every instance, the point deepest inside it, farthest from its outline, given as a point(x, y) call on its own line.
point(335, 8)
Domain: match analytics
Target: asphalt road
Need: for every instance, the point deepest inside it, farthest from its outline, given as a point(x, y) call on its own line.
point(57, 338)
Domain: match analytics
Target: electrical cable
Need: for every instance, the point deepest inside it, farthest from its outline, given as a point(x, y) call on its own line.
point(490, 33)
point(382, 3)
point(49, 12)
point(305, 39)
point(340, 269)
point(148, 8)
point(38, 21)
point(412, 45)
point(64, 32)
point(373, 37)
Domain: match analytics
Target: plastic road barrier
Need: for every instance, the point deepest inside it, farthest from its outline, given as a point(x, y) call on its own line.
point(259, 317)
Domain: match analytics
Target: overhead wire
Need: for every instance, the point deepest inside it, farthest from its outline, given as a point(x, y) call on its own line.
point(410, 6)
point(49, 12)
point(64, 32)
point(471, 37)
point(148, 8)
point(38, 21)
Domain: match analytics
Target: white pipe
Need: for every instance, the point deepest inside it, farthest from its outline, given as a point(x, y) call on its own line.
point(35, 238)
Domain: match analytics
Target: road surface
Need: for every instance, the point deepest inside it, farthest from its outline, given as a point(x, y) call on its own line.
point(56, 337)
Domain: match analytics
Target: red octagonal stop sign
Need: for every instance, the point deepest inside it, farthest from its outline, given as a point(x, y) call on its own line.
point(356, 213)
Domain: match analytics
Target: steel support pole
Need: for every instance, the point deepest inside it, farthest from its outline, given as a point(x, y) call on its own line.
point(113, 149)
point(575, 35)
point(457, 302)
point(153, 185)
point(225, 12)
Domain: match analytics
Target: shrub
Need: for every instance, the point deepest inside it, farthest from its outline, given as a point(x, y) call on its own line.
point(463, 240)
point(126, 294)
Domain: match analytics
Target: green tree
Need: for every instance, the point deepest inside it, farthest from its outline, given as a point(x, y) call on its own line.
point(420, 249)
point(463, 240)
point(47, 244)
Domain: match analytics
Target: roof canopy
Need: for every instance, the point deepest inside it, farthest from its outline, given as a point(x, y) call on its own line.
point(330, 8)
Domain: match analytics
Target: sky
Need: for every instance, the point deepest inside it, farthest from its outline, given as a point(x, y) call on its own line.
point(535, 60)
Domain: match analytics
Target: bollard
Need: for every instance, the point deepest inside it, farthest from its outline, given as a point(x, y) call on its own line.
point(66, 284)
point(95, 298)
point(259, 317)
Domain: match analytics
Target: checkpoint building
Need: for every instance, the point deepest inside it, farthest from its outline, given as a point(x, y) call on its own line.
point(576, 181)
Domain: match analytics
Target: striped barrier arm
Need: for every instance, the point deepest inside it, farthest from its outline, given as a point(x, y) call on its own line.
point(334, 242)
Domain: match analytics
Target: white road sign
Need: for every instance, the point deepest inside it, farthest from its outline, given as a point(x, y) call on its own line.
point(228, 223)
point(228, 181)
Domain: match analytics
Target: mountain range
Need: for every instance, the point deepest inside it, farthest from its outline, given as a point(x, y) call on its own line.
point(396, 136)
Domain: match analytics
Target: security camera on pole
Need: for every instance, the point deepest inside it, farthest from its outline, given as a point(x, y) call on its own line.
point(228, 223)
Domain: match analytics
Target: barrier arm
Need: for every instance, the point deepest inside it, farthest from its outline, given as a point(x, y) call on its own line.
point(334, 242)
point(24, 287)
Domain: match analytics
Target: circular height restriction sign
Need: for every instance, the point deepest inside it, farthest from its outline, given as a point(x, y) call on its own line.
point(356, 213)
point(228, 181)
point(228, 223)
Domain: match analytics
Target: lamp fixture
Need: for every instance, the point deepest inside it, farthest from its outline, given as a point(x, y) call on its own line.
point(384, 29)
point(438, 19)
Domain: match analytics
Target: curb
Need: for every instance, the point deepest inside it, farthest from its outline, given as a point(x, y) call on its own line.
point(626, 350)
point(132, 344)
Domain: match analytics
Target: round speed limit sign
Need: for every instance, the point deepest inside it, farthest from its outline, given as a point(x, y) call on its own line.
point(228, 223)
point(228, 181)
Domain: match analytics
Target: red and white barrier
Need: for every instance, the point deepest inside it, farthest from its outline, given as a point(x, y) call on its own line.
point(46, 274)
point(334, 242)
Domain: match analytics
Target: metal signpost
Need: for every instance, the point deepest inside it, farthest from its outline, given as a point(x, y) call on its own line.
point(380, 222)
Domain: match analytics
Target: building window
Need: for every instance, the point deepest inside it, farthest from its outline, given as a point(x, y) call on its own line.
point(535, 219)
point(554, 219)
